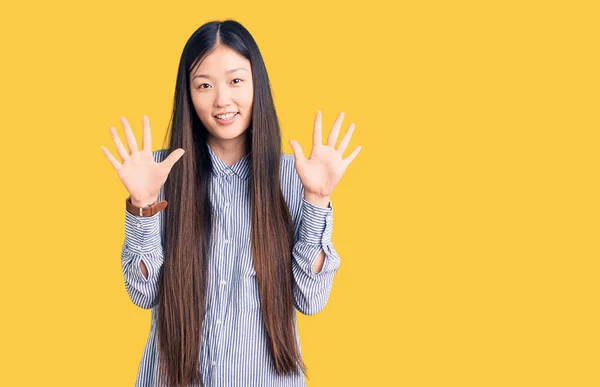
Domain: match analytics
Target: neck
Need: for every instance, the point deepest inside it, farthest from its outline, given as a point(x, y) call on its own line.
point(230, 150)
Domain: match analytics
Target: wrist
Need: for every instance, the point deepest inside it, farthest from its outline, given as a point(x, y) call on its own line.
point(143, 202)
point(317, 200)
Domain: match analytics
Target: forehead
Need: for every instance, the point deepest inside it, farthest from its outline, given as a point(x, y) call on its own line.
point(219, 61)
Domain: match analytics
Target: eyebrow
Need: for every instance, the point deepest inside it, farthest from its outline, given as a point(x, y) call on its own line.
point(226, 72)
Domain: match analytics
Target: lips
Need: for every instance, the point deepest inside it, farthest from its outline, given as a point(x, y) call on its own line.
point(224, 114)
point(227, 121)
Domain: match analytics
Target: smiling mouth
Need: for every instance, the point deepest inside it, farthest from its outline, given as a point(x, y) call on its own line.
point(226, 117)
point(229, 120)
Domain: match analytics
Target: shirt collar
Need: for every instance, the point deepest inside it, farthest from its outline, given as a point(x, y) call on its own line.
point(241, 168)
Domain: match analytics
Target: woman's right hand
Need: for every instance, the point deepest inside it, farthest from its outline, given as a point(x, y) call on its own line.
point(140, 174)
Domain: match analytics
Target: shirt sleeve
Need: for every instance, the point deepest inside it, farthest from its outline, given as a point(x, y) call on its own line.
point(311, 290)
point(143, 242)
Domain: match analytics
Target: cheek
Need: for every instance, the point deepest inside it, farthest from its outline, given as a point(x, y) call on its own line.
point(200, 105)
point(247, 98)
point(202, 113)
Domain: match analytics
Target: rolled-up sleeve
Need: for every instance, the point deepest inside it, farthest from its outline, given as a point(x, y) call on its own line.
point(143, 242)
point(311, 290)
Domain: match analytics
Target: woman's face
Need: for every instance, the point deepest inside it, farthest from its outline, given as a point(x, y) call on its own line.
point(222, 84)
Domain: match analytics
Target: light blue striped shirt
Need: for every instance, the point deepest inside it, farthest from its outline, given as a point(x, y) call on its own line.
point(234, 348)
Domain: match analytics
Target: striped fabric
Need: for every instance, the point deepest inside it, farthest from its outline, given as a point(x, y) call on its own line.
point(234, 342)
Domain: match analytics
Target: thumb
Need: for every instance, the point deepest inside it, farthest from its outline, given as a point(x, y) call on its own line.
point(174, 157)
point(298, 153)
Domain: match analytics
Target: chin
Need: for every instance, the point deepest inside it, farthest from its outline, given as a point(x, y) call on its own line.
point(226, 135)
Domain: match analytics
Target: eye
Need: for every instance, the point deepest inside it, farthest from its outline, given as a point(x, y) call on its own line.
point(237, 79)
point(202, 84)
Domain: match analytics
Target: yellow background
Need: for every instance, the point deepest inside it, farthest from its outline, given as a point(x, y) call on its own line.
point(468, 226)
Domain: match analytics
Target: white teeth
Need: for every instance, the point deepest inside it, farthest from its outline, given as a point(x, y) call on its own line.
point(226, 116)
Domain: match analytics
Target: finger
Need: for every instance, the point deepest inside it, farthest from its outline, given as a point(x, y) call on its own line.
point(335, 130)
point(298, 153)
point(352, 155)
point(114, 162)
point(121, 150)
point(317, 136)
point(131, 143)
point(173, 158)
point(345, 140)
point(146, 134)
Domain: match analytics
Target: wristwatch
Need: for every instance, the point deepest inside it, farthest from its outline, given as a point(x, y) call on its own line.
point(149, 210)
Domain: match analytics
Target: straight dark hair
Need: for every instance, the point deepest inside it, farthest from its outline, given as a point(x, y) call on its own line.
point(188, 219)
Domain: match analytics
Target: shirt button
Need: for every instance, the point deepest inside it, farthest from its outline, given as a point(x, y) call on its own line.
point(226, 241)
point(139, 225)
point(138, 247)
point(213, 363)
point(226, 204)
point(219, 322)
point(223, 282)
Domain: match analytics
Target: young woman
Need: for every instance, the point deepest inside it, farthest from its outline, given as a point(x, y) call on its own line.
point(246, 237)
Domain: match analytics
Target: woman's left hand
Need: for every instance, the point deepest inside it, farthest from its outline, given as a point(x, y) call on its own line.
point(324, 168)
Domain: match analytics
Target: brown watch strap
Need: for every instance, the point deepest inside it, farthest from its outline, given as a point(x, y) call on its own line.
point(149, 210)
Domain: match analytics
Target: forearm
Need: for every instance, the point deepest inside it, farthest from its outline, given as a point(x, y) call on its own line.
point(142, 258)
point(315, 259)
point(144, 269)
point(318, 265)
point(321, 201)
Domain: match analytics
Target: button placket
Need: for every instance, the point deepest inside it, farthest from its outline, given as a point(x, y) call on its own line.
point(225, 212)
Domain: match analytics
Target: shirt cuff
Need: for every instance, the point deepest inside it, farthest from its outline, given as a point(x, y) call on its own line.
point(142, 233)
point(317, 223)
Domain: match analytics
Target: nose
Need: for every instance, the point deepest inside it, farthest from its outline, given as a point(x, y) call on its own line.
point(223, 97)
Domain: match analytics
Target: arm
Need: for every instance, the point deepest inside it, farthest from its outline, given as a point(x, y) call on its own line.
point(142, 249)
point(318, 175)
point(315, 260)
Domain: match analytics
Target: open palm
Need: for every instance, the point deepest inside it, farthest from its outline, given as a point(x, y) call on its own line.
point(140, 174)
point(324, 168)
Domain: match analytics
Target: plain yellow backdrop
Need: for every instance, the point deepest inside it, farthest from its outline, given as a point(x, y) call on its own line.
point(468, 227)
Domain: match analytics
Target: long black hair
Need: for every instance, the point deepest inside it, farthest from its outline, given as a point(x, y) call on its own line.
point(188, 219)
